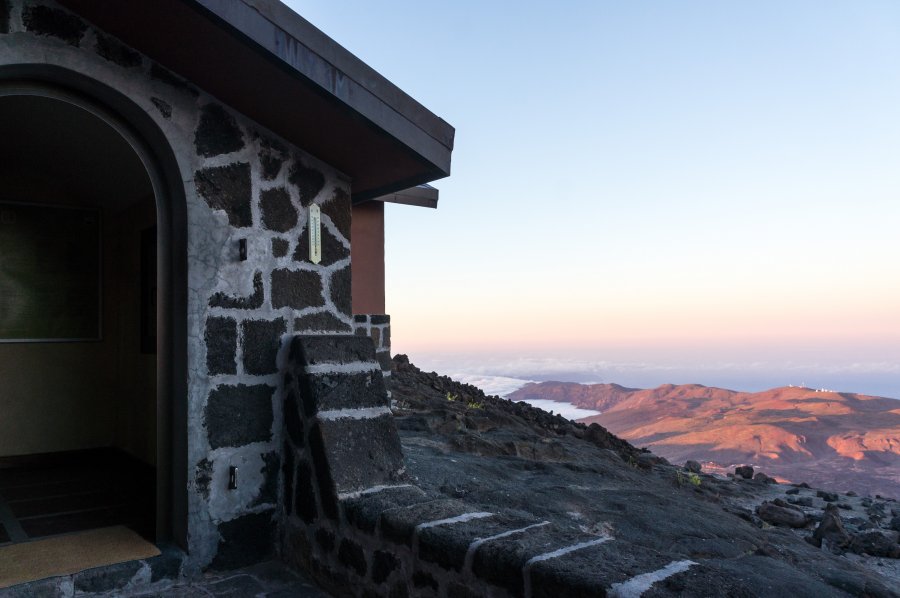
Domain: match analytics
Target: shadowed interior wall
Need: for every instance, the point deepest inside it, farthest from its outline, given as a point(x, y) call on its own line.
point(62, 396)
point(367, 255)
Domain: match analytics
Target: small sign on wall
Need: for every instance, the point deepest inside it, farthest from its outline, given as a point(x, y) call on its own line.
point(315, 234)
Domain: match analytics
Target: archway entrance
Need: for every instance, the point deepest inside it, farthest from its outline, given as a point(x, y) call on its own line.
point(79, 392)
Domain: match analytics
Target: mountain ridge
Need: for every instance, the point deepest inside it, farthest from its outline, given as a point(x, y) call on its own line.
point(797, 433)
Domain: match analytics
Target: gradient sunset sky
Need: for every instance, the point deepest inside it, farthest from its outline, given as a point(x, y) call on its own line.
point(679, 186)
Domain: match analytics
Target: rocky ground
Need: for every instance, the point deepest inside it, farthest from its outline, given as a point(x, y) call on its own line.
point(674, 530)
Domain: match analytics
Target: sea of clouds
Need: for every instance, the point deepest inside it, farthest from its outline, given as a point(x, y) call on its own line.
point(502, 375)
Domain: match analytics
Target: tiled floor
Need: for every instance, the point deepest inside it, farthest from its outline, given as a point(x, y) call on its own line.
point(73, 492)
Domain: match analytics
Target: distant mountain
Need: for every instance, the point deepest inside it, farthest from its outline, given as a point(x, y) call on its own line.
point(839, 440)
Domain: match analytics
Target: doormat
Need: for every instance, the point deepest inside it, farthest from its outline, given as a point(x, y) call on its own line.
point(65, 555)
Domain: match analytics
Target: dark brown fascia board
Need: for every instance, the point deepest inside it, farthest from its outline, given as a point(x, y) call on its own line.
point(423, 196)
point(213, 44)
point(279, 30)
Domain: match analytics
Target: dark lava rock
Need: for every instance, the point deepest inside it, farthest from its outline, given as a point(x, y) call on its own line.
point(802, 501)
point(827, 496)
point(831, 529)
point(250, 405)
point(782, 515)
point(876, 543)
point(792, 491)
point(761, 477)
point(116, 52)
point(44, 20)
point(278, 213)
point(252, 301)
point(744, 471)
point(492, 455)
point(218, 132)
point(227, 188)
point(693, 466)
point(895, 524)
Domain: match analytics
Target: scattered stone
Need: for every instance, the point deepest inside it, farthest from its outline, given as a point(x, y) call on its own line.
point(827, 496)
point(895, 524)
point(793, 491)
point(845, 506)
point(781, 515)
point(851, 493)
point(693, 466)
point(876, 542)
point(761, 477)
point(647, 460)
point(744, 471)
point(831, 529)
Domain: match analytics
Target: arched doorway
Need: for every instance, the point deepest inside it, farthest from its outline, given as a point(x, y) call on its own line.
point(93, 375)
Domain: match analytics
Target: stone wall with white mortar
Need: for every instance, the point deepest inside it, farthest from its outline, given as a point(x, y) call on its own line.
point(378, 328)
point(242, 183)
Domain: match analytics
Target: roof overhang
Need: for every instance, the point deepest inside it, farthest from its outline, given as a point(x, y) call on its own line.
point(424, 196)
point(263, 59)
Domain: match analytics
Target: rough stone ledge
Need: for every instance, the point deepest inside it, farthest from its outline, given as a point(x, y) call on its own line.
point(502, 562)
point(448, 545)
point(510, 551)
point(332, 349)
point(329, 391)
point(364, 511)
point(399, 525)
point(360, 453)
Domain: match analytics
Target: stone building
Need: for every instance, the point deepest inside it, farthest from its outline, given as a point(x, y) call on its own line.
point(182, 180)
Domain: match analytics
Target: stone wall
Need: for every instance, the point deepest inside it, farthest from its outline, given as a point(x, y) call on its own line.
point(250, 284)
point(357, 522)
point(378, 328)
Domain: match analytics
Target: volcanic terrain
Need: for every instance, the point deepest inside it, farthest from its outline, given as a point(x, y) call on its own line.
point(834, 439)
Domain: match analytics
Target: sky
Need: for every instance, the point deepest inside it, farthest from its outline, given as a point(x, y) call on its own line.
point(648, 191)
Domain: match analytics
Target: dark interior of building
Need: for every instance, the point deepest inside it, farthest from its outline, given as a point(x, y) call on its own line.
point(78, 363)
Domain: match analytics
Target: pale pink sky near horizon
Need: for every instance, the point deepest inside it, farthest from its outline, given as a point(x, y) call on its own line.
point(669, 182)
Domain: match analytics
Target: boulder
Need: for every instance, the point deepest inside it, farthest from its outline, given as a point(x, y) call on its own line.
point(693, 466)
point(781, 514)
point(831, 528)
point(827, 496)
point(895, 524)
point(744, 471)
point(876, 542)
